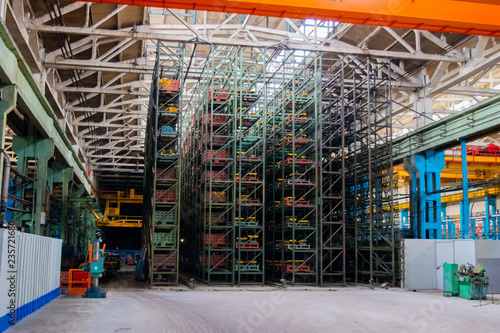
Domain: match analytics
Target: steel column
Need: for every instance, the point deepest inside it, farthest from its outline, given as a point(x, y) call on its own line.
point(425, 171)
point(465, 214)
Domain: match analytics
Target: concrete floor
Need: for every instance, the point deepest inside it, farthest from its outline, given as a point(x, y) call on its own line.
point(132, 308)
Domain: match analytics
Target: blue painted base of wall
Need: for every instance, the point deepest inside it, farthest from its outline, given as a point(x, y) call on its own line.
point(28, 308)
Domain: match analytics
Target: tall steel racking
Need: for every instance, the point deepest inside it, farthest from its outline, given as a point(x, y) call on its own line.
point(162, 167)
point(336, 135)
point(286, 170)
point(293, 108)
point(225, 163)
point(370, 223)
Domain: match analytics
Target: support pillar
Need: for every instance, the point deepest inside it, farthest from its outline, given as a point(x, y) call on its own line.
point(425, 204)
point(67, 176)
point(82, 231)
point(8, 100)
point(423, 105)
point(31, 148)
point(76, 226)
point(24, 150)
point(489, 224)
point(495, 226)
point(464, 212)
point(44, 152)
point(447, 226)
point(451, 228)
point(63, 175)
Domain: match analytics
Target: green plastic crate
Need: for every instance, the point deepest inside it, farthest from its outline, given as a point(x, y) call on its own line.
point(163, 218)
point(247, 223)
point(164, 239)
point(246, 267)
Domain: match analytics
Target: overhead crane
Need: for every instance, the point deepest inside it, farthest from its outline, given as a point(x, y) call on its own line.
point(475, 17)
point(112, 217)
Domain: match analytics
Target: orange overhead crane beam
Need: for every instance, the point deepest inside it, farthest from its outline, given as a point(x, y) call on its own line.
point(477, 17)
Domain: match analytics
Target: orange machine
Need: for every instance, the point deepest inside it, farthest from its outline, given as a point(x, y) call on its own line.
point(478, 17)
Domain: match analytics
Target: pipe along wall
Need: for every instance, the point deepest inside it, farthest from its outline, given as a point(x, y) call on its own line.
point(32, 280)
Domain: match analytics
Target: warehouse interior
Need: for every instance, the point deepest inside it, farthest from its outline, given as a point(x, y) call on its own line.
point(249, 166)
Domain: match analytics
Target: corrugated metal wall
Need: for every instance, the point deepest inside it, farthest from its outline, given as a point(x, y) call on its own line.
point(36, 273)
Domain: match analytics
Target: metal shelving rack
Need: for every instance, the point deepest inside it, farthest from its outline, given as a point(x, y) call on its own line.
point(225, 162)
point(162, 167)
point(293, 104)
point(286, 171)
point(336, 136)
point(372, 233)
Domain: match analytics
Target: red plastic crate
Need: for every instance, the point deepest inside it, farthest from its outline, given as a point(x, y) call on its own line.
point(166, 174)
point(219, 119)
point(216, 155)
point(217, 262)
point(215, 175)
point(302, 203)
point(216, 119)
point(164, 262)
point(243, 245)
point(298, 268)
point(165, 195)
point(247, 201)
point(297, 143)
point(219, 95)
point(297, 119)
point(298, 203)
point(169, 85)
point(289, 160)
point(216, 241)
point(248, 179)
point(216, 140)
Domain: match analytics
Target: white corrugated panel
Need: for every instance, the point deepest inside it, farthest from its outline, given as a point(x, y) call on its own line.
point(37, 273)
